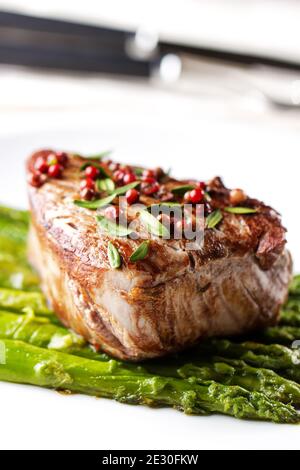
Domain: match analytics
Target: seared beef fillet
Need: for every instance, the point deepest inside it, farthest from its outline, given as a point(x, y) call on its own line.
point(172, 298)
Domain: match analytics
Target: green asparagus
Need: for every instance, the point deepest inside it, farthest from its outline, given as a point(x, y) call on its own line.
point(234, 372)
point(38, 331)
point(293, 304)
point(13, 230)
point(12, 250)
point(16, 300)
point(290, 318)
point(15, 271)
point(15, 215)
point(294, 289)
point(32, 365)
point(13, 235)
point(291, 374)
point(272, 356)
point(283, 334)
point(17, 276)
point(285, 361)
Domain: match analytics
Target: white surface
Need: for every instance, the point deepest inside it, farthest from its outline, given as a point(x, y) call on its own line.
point(261, 157)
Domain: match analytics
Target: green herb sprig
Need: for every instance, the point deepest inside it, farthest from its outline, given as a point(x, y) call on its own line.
point(141, 252)
point(240, 210)
point(113, 256)
point(106, 185)
point(153, 225)
point(113, 229)
point(98, 203)
point(183, 189)
point(214, 219)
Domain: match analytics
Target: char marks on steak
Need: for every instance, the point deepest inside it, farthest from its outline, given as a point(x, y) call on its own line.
point(174, 297)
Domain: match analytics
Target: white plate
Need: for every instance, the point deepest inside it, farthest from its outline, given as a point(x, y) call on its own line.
point(256, 158)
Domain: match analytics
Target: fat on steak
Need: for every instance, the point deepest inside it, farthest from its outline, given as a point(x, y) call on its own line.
point(236, 283)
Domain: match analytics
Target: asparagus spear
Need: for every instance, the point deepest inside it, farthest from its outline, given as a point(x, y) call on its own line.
point(17, 300)
point(279, 334)
point(234, 372)
point(295, 286)
point(38, 331)
point(290, 318)
point(28, 364)
point(293, 304)
point(14, 250)
point(291, 374)
point(17, 275)
point(272, 356)
point(16, 215)
point(13, 230)
point(15, 272)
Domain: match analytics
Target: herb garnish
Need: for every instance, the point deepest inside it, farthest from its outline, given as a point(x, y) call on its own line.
point(141, 252)
point(240, 210)
point(138, 171)
point(95, 204)
point(113, 256)
point(107, 200)
point(214, 219)
point(165, 204)
point(124, 189)
point(153, 225)
point(183, 189)
point(98, 156)
point(106, 185)
point(112, 228)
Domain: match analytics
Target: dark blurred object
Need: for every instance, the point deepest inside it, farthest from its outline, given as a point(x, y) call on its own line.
point(57, 44)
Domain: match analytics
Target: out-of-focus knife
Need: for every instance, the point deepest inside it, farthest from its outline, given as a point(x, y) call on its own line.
point(56, 44)
point(46, 42)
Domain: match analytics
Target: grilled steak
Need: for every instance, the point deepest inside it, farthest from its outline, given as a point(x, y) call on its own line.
point(172, 297)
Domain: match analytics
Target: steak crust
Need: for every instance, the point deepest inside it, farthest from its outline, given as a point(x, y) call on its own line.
point(235, 283)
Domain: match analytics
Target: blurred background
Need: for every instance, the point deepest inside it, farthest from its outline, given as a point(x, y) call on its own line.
point(193, 58)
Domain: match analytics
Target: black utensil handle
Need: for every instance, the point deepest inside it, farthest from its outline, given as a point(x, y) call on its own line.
point(55, 44)
point(50, 25)
point(75, 61)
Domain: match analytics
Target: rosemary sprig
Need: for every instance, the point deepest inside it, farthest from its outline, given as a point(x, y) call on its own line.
point(141, 252)
point(214, 219)
point(153, 225)
point(113, 256)
point(240, 210)
point(112, 228)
